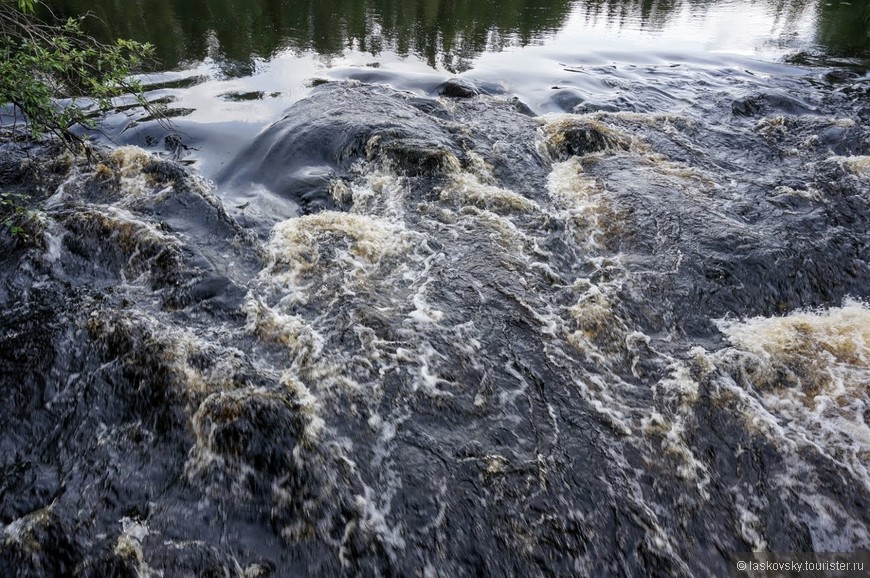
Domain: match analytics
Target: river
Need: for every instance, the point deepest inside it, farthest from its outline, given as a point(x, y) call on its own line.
point(445, 288)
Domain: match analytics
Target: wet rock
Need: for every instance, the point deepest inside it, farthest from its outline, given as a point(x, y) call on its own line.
point(12, 163)
point(110, 246)
point(748, 106)
point(259, 428)
point(40, 544)
point(218, 291)
point(457, 88)
point(429, 106)
point(565, 99)
point(330, 131)
point(194, 558)
point(770, 103)
point(589, 106)
point(415, 156)
point(165, 172)
point(582, 140)
point(582, 136)
point(839, 75)
point(522, 107)
point(842, 140)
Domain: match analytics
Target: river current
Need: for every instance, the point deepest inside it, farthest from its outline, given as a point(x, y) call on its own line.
point(425, 325)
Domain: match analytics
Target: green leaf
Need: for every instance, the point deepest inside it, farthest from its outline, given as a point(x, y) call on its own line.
point(62, 62)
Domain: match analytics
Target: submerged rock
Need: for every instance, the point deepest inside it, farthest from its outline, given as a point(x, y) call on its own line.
point(770, 103)
point(321, 137)
point(457, 88)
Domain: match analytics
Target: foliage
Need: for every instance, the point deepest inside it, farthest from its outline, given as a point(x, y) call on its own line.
point(16, 218)
point(59, 77)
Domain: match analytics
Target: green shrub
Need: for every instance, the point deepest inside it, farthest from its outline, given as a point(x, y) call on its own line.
point(56, 77)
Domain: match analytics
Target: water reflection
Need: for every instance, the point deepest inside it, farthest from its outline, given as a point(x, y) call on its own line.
point(656, 14)
point(843, 28)
point(448, 33)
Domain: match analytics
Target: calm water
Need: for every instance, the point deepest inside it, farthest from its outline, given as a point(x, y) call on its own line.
point(452, 35)
point(236, 65)
point(470, 289)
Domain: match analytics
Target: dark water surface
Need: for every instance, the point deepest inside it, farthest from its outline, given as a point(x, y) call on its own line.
point(448, 289)
point(453, 34)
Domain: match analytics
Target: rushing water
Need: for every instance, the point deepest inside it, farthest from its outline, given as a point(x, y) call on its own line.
point(596, 306)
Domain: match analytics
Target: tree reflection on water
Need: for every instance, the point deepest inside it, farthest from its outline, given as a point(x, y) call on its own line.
point(449, 33)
